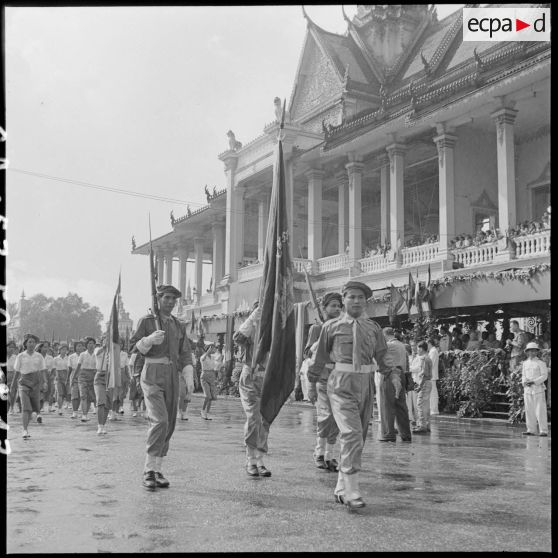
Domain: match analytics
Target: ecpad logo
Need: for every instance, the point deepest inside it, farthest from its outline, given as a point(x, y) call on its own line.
point(506, 24)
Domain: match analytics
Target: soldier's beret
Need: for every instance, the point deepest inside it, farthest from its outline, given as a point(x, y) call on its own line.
point(168, 289)
point(328, 297)
point(357, 285)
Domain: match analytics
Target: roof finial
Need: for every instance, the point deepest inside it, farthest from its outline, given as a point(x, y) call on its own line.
point(345, 14)
point(304, 13)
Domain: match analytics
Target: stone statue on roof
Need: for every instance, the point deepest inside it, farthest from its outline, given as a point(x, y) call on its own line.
point(188, 210)
point(234, 144)
point(172, 217)
point(207, 194)
point(133, 242)
point(214, 191)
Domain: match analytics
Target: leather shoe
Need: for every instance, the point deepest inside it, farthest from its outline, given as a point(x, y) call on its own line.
point(264, 471)
point(332, 465)
point(543, 434)
point(387, 440)
point(162, 482)
point(320, 462)
point(419, 431)
point(355, 504)
point(149, 480)
point(252, 470)
point(527, 433)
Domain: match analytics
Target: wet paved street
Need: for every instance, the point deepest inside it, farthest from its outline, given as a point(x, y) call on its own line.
point(469, 486)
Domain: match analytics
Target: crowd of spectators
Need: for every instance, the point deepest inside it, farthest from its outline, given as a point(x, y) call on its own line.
point(421, 240)
point(380, 250)
point(530, 227)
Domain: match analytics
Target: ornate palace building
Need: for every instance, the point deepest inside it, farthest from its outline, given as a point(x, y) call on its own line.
point(406, 149)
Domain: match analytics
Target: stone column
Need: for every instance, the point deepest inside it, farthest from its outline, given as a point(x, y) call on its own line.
point(198, 248)
point(233, 216)
point(183, 257)
point(342, 211)
point(396, 153)
point(263, 215)
point(504, 119)
point(218, 253)
point(168, 267)
point(315, 180)
point(384, 199)
point(354, 168)
point(160, 266)
point(445, 143)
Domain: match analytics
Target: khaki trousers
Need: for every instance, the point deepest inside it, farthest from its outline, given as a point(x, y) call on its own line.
point(159, 383)
point(327, 427)
point(256, 428)
point(351, 395)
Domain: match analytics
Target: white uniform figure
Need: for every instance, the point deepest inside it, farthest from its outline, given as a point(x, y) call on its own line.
point(533, 375)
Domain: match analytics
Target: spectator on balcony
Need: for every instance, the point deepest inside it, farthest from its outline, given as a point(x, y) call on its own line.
point(545, 220)
point(474, 344)
point(468, 241)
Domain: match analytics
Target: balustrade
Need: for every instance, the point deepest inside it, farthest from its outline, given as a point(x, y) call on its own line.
point(250, 272)
point(532, 244)
point(476, 255)
point(420, 254)
point(374, 263)
point(332, 263)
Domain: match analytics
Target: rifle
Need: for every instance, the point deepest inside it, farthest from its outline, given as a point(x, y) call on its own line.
point(313, 298)
point(153, 274)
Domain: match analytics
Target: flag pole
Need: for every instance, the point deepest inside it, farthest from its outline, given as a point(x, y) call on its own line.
point(154, 302)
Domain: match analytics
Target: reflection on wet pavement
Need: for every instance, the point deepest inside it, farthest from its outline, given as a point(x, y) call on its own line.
point(470, 485)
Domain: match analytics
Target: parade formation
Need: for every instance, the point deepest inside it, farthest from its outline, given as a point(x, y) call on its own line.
point(398, 134)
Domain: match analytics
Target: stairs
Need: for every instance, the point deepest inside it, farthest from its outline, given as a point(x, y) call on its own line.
point(498, 408)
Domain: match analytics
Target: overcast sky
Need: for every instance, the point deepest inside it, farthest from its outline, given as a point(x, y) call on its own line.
point(135, 98)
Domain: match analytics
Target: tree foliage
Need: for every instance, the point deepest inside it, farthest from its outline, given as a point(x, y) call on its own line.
point(60, 318)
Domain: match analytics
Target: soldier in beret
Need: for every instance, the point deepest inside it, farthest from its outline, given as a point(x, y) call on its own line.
point(327, 428)
point(31, 368)
point(167, 353)
point(351, 342)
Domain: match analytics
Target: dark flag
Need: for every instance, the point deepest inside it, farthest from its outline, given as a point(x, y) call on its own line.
point(396, 299)
point(410, 293)
point(113, 344)
point(193, 323)
point(418, 296)
point(276, 337)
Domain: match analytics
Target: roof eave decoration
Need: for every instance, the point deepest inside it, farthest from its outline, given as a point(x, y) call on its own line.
point(421, 93)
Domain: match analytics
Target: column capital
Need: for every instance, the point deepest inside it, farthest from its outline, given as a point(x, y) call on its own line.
point(230, 160)
point(354, 157)
point(314, 174)
point(394, 150)
point(354, 167)
point(444, 141)
point(504, 115)
point(383, 159)
point(341, 177)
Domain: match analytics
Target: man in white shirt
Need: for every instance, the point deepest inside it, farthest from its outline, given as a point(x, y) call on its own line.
point(534, 373)
point(61, 375)
point(434, 357)
point(31, 367)
point(72, 380)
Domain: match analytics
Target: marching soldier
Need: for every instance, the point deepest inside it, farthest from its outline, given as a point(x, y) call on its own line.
point(167, 354)
point(327, 427)
point(351, 343)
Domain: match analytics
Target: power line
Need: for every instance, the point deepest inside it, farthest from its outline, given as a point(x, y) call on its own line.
point(164, 199)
